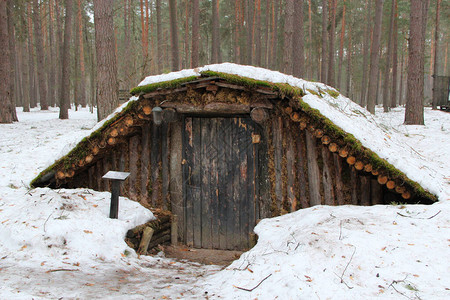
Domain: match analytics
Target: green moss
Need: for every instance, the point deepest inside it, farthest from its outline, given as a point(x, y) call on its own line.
point(161, 85)
point(333, 93)
point(314, 93)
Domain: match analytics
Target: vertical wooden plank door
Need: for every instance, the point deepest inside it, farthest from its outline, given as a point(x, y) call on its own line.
point(219, 180)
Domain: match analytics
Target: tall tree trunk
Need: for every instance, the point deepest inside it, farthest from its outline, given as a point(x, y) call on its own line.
point(195, 61)
point(215, 43)
point(59, 49)
point(436, 55)
point(65, 81)
point(274, 39)
point(341, 47)
point(374, 57)
point(331, 73)
point(298, 51)
point(82, 93)
point(266, 34)
point(258, 33)
point(402, 72)
point(5, 88)
point(25, 77)
point(250, 37)
point(31, 73)
point(13, 60)
point(349, 63)
point(52, 96)
point(310, 54)
point(288, 36)
point(186, 35)
point(174, 35)
point(40, 57)
point(415, 82)
point(393, 102)
point(107, 88)
point(159, 37)
point(387, 71)
point(366, 51)
point(237, 29)
point(323, 67)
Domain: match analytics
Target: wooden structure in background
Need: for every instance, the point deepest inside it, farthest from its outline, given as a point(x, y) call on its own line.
point(225, 156)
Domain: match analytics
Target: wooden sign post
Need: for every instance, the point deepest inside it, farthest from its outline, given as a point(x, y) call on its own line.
point(116, 178)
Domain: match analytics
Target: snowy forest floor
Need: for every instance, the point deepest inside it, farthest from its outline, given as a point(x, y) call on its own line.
point(61, 244)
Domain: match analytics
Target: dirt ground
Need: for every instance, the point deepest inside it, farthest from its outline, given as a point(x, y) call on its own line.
point(203, 256)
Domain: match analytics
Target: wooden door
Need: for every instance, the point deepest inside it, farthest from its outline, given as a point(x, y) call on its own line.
point(219, 173)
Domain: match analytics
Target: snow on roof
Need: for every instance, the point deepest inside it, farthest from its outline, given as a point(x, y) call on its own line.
point(343, 112)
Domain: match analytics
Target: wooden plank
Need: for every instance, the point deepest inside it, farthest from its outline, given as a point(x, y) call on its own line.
point(313, 170)
point(98, 175)
point(92, 181)
point(290, 166)
point(241, 195)
point(263, 179)
point(176, 175)
point(365, 190)
point(206, 149)
point(252, 155)
point(339, 185)
point(277, 129)
point(155, 160)
point(224, 180)
point(327, 178)
point(187, 181)
point(302, 186)
point(233, 219)
point(165, 175)
point(376, 192)
point(134, 159)
point(354, 183)
point(196, 182)
point(145, 162)
point(214, 183)
point(122, 167)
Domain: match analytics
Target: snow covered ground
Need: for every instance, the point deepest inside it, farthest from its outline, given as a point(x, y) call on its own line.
point(61, 243)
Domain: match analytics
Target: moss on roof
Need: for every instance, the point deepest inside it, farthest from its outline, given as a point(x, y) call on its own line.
point(284, 90)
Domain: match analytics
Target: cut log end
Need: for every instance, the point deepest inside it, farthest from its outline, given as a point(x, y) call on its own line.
point(114, 132)
point(259, 114)
point(112, 141)
point(343, 153)
point(129, 121)
point(333, 147)
point(326, 140)
point(95, 150)
point(368, 168)
point(60, 175)
point(288, 110)
point(318, 133)
point(359, 165)
point(406, 195)
point(382, 179)
point(390, 184)
point(147, 110)
point(351, 160)
point(295, 116)
point(400, 189)
point(89, 159)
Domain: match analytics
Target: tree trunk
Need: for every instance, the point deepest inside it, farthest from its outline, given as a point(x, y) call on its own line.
point(349, 63)
point(82, 93)
point(258, 33)
point(387, 71)
point(415, 82)
point(393, 102)
point(195, 34)
point(5, 92)
point(436, 54)
point(40, 56)
point(237, 29)
point(310, 61)
point(215, 42)
point(250, 36)
point(31, 73)
point(366, 47)
point(52, 96)
point(323, 68)
point(288, 36)
point(331, 73)
point(65, 81)
point(341, 48)
point(174, 35)
point(107, 88)
point(274, 40)
point(298, 55)
point(159, 49)
point(13, 60)
point(374, 57)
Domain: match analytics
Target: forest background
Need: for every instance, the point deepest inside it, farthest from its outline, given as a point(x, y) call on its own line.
point(359, 47)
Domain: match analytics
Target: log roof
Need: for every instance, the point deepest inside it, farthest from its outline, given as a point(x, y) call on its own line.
point(331, 117)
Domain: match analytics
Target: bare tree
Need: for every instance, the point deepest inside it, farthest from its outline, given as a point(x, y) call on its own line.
point(65, 81)
point(374, 57)
point(288, 35)
point(159, 37)
point(40, 56)
point(436, 54)
point(323, 68)
point(387, 70)
point(5, 92)
point(215, 43)
point(195, 34)
point(107, 86)
point(12, 55)
point(298, 58)
point(331, 54)
point(174, 35)
point(415, 82)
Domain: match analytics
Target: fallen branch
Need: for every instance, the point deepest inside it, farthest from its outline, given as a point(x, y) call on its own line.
point(343, 272)
point(250, 290)
point(402, 215)
point(59, 270)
